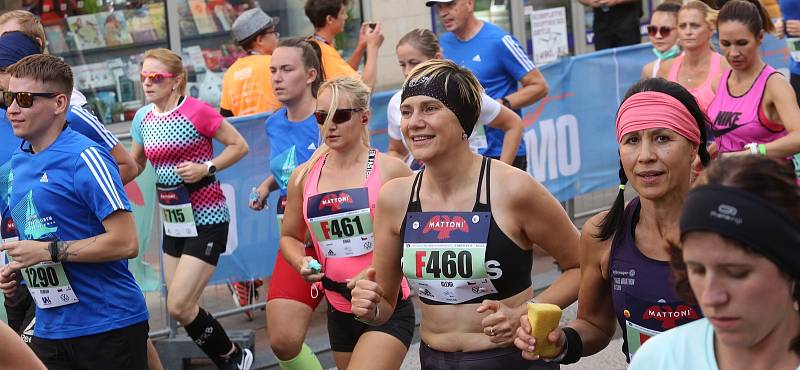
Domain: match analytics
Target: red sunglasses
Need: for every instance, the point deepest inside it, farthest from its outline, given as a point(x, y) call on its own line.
point(663, 30)
point(155, 77)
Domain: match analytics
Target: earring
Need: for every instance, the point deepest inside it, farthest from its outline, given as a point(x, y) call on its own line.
point(464, 136)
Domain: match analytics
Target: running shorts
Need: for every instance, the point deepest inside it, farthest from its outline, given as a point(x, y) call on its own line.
point(124, 348)
point(209, 243)
point(500, 358)
point(344, 330)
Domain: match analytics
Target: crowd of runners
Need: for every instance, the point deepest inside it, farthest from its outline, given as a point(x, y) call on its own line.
point(699, 270)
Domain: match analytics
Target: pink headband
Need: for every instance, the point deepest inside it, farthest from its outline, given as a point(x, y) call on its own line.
point(651, 109)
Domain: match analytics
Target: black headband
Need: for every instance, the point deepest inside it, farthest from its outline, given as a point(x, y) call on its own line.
point(746, 218)
point(445, 90)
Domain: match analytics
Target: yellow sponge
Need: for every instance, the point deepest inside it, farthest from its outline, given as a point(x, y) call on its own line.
point(544, 318)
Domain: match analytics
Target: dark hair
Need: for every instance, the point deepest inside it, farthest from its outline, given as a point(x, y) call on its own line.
point(771, 179)
point(668, 7)
point(46, 69)
point(247, 44)
point(613, 220)
point(317, 11)
point(423, 40)
point(750, 13)
point(311, 55)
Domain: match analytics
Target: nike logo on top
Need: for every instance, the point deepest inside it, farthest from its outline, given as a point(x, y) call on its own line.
point(44, 178)
point(476, 58)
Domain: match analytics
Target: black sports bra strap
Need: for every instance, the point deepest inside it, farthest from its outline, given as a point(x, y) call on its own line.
point(415, 188)
point(480, 181)
point(488, 182)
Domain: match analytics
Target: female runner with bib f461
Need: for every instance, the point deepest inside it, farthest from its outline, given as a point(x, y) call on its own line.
point(332, 197)
point(464, 228)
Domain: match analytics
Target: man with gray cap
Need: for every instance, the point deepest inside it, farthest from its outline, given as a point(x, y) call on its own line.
point(247, 87)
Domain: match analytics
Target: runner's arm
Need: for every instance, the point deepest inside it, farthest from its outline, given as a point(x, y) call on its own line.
point(534, 87)
point(511, 124)
point(139, 158)
point(553, 231)
point(374, 41)
point(783, 98)
point(14, 352)
point(128, 169)
point(117, 243)
point(293, 229)
point(235, 146)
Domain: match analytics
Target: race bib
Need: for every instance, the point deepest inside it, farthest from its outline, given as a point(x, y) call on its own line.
point(48, 285)
point(176, 211)
point(793, 44)
point(644, 320)
point(341, 222)
point(444, 255)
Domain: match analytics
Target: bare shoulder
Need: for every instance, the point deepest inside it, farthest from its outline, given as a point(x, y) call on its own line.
point(647, 70)
point(663, 70)
point(591, 230)
point(395, 193)
point(392, 167)
point(518, 186)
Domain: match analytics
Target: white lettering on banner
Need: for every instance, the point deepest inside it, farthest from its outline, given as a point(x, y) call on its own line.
point(558, 151)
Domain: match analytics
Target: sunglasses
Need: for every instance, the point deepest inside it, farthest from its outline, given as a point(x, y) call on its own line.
point(339, 116)
point(155, 77)
point(663, 30)
point(24, 99)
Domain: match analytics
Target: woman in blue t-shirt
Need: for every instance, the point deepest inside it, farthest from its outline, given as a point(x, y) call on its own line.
point(294, 135)
point(739, 261)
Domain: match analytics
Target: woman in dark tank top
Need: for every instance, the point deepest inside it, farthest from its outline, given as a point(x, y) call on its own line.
point(625, 272)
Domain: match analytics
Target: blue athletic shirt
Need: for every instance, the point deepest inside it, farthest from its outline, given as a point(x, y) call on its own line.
point(85, 122)
point(291, 144)
point(64, 193)
point(791, 11)
point(499, 62)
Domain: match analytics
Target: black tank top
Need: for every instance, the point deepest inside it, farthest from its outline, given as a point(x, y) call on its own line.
point(508, 266)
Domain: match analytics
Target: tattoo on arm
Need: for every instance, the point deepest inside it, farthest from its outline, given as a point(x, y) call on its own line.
point(63, 251)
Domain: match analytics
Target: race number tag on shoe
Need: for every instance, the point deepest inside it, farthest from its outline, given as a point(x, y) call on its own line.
point(444, 255)
point(177, 215)
point(341, 222)
point(49, 285)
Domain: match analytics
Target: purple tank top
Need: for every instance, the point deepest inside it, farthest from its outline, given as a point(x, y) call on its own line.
point(740, 120)
point(642, 289)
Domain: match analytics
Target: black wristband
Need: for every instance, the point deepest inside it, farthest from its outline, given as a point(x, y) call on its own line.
point(53, 248)
point(574, 346)
point(506, 102)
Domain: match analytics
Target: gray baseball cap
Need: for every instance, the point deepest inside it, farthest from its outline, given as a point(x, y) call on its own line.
point(251, 22)
point(434, 2)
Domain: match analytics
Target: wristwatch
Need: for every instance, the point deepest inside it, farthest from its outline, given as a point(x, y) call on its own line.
point(506, 102)
point(212, 169)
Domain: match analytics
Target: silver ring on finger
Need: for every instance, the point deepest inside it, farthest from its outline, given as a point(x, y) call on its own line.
point(491, 331)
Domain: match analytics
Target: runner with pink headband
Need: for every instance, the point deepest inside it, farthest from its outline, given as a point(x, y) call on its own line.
point(625, 271)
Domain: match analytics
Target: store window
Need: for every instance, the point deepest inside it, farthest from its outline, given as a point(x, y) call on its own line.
point(207, 43)
point(104, 41)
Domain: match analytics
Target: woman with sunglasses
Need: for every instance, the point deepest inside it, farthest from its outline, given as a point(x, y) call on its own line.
point(421, 45)
point(625, 272)
point(332, 198)
point(663, 35)
point(464, 228)
point(738, 259)
point(175, 134)
point(755, 110)
point(293, 136)
point(698, 68)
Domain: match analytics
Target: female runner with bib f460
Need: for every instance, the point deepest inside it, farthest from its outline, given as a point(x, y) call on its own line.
point(332, 198)
point(464, 228)
point(175, 134)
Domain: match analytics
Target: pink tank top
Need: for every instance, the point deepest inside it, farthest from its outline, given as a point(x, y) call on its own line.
point(340, 224)
point(703, 93)
point(740, 120)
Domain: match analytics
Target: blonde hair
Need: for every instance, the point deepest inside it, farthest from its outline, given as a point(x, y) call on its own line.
point(423, 40)
point(359, 95)
point(29, 24)
point(173, 62)
point(708, 12)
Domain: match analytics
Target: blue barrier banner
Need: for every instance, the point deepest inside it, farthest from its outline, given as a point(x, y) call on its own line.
point(570, 139)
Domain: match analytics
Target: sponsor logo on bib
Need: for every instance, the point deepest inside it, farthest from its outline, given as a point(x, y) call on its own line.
point(335, 202)
point(668, 316)
point(168, 197)
point(444, 225)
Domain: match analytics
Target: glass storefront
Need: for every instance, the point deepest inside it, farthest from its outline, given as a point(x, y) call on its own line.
point(104, 40)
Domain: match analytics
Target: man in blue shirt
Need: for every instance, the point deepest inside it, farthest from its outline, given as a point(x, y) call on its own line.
point(76, 230)
point(497, 59)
